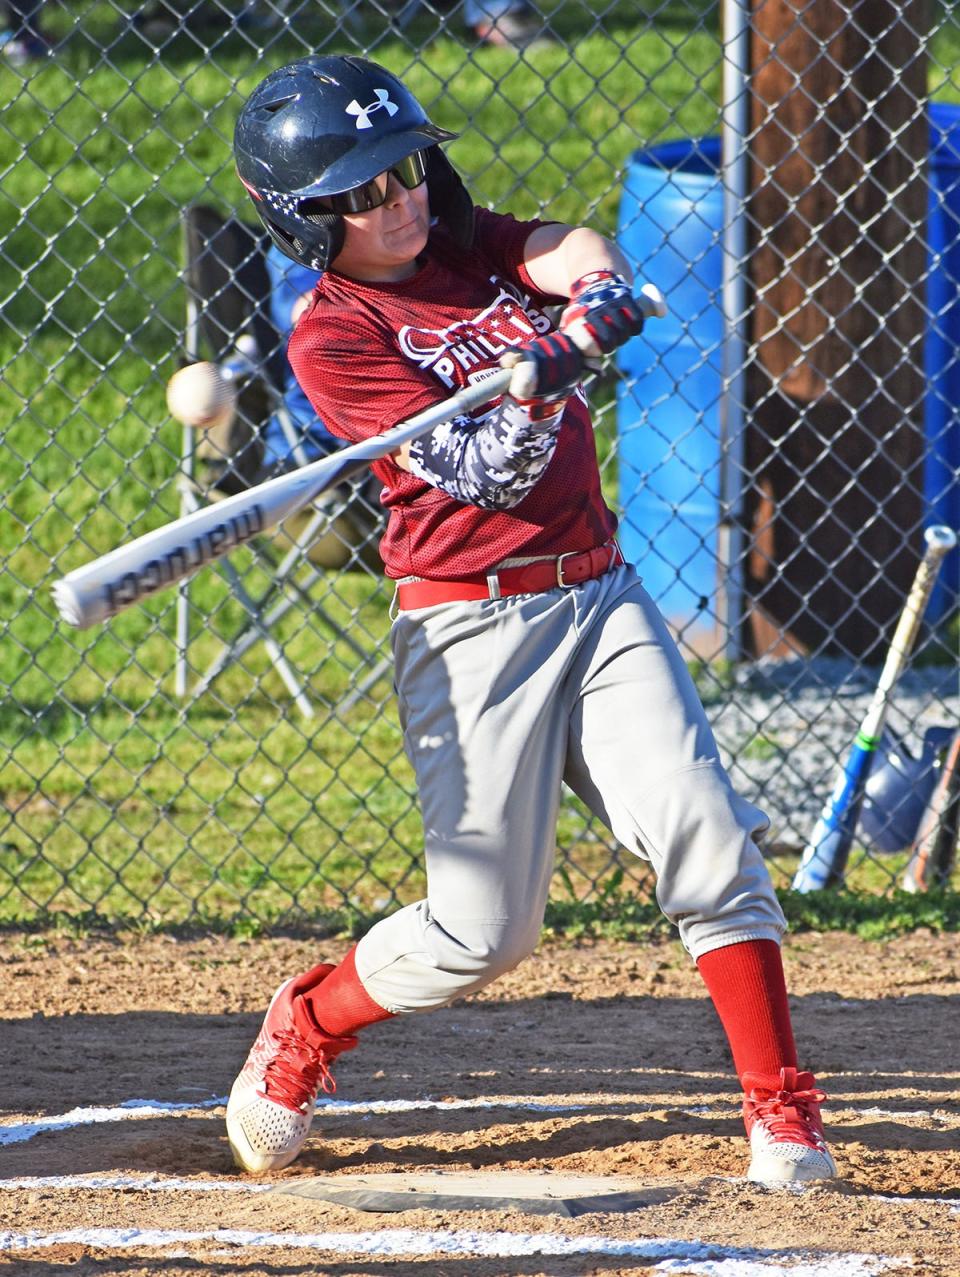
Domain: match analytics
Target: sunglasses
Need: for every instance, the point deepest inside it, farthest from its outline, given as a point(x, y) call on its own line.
point(409, 172)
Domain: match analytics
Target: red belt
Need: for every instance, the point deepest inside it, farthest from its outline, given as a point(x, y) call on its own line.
point(531, 578)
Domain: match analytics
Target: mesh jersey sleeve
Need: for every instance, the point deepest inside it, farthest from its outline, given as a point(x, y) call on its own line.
point(502, 240)
point(350, 371)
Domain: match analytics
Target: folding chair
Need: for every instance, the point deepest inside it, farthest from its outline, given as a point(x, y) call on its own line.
point(228, 303)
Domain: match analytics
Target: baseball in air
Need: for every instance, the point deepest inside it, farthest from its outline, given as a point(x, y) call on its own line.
point(201, 396)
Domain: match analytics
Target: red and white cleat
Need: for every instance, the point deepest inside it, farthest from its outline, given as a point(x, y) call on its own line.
point(782, 1117)
point(272, 1101)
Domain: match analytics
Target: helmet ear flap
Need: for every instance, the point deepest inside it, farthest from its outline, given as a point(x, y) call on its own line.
point(449, 198)
point(316, 251)
point(330, 232)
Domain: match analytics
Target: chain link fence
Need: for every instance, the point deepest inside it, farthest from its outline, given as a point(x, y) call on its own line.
point(776, 446)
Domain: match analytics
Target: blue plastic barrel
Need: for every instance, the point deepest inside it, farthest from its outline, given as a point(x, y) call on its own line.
point(670, 225)
point(941, 352)
point(668, 412)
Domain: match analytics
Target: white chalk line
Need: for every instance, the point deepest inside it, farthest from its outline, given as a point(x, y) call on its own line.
point(671, 1255)
point(143, 1183)
point(940, 1115)
point(337, 1107)
point(952, 1203)
point(19, 1132)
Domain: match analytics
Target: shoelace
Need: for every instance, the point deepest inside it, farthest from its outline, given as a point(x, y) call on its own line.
point(790, 1115)
point(297, 1071)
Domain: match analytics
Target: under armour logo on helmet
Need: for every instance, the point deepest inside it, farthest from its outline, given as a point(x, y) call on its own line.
point(363, 113)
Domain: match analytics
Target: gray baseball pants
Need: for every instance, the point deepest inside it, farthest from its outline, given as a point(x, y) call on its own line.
point(501, 701)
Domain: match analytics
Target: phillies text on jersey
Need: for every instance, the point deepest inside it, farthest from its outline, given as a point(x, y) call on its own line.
point(466, 345)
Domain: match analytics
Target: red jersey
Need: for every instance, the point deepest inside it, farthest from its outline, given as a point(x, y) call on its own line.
point(369, 355)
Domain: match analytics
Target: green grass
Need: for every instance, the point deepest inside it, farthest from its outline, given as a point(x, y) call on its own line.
point(622, 916)
point(117, 798)
point(618, 916)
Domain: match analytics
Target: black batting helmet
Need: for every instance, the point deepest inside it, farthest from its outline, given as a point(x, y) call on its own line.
point(325, 125)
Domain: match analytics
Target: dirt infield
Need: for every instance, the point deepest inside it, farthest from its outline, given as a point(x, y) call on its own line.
point(596, 1060)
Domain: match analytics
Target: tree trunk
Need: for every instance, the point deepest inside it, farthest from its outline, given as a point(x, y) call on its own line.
point(836, 387)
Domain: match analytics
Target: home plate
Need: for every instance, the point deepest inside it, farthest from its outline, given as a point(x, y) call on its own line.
point(531, 1193)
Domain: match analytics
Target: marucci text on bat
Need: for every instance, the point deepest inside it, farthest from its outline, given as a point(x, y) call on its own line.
point(183, 559)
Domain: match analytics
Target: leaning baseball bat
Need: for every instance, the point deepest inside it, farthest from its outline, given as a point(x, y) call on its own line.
point(825, 856)
point(131, 573)
point(935, 846)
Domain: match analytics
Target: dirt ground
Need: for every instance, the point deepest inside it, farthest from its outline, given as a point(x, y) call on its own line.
point(600, 1059)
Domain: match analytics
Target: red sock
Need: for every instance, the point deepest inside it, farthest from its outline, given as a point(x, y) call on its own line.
point(745, 982)
point(340, 1005)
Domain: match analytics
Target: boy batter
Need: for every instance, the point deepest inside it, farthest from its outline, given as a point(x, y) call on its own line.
point(527, 652)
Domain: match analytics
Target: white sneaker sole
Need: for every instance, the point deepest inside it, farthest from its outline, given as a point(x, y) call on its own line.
point(263, 1135)
point(768, 1166)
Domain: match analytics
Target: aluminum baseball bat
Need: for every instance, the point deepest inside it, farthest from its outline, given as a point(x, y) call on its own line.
point(935, 847)
point(133, 572)
point(825, 856)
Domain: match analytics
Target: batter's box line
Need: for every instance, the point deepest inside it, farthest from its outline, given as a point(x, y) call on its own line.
point(142, 1183)
point(940, 1115)
point(669, 1255)
point(20, 1132)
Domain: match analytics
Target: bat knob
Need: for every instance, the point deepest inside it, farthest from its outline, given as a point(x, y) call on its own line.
point(940, 537)
point(654, 304)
